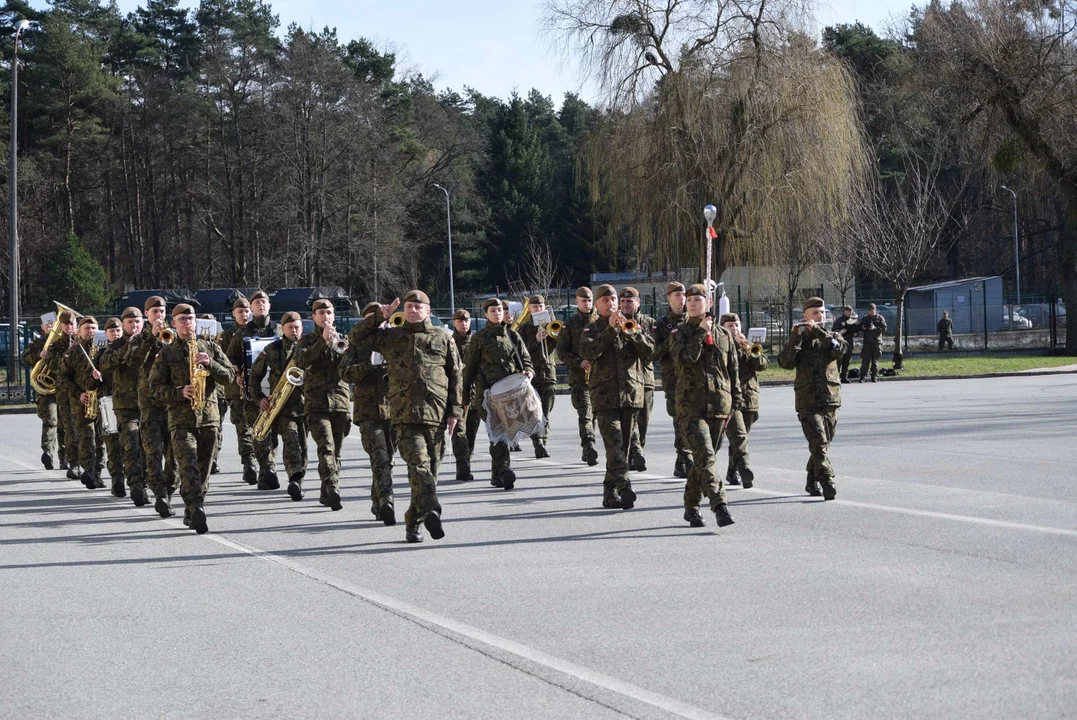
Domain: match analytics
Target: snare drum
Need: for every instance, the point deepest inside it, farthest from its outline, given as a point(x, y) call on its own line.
point(513, 410)
point(107, 414)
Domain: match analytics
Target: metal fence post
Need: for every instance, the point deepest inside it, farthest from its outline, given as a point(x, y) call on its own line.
point(983, 286)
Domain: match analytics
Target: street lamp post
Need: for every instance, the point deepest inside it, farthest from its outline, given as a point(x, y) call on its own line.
point(448, 221)
point(1016, 253)
point(13, 220)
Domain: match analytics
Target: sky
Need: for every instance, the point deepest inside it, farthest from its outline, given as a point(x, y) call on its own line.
point(494, 46)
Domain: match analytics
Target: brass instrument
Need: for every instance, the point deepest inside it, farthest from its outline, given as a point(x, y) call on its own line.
point(91, 395)
point(756, 350)
point(167, 336)
point(396, 319)
point(554, 327)
point(41, 378)
point(340, 344)
point(525, 317)
point(289, 381)
point(198, 374)
point(630, 327)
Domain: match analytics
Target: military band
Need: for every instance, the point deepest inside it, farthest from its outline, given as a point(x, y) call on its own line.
point(466, 431)
point(540, 347)
point(568, 351)
point(259, 326)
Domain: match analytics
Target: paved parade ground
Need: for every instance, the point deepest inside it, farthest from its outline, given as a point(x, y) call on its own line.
point(942, 582)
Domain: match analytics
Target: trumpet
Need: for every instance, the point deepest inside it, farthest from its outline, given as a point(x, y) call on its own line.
point(554, 327)
point(630, 327)
point(167, 336)
point(396, 319)
point(340, 344)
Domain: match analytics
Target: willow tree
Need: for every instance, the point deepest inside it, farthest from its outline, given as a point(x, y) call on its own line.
point(712, 101)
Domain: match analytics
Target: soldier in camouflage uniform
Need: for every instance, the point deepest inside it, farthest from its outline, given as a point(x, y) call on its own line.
point(463, 436)
point(193, 432)
point(425, 399)
point(325, 399)
point(113, 448)
point(946, 331)
point(872, 327)
point(514, 446)
point(568, 352)
point(740, 424)
point(708, 391)
point(125, 404)
point(496, 352)
point(289, 425)
point(81, 378)
point(848, 326)
point(370, 411)
point(222, 408)
point(51, 430)
point(54, 358)
point(617, 382)
point(241, 313)
point(540, 345)
point(260, 326)
point(663, 344)
point(630, 303)
point(814, 354)
point(157, 455)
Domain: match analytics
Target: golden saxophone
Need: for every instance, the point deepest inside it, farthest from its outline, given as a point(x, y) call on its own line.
point(198, 374)
point(290, 379)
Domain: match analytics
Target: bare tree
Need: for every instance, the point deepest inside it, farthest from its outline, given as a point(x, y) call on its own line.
point(904, 226)
point(540, 268)
point(836, 256)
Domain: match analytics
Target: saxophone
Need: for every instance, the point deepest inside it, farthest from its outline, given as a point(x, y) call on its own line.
point(290, 379)
point(198, 376)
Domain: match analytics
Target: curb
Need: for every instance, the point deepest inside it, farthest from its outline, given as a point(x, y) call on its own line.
point(18, 410)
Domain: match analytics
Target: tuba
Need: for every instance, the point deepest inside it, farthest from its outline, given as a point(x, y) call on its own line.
point(290, 379)
point(525, 316)
point(198, 374)
point(41, 378)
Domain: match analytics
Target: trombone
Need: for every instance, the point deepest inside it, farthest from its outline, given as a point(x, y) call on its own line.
point(554, 327)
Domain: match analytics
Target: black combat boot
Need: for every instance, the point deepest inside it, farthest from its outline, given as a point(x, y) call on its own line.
point(63, 463)
point(98, 481)
point(73, 472)
point(46, 460)
point(119, 488)
point(540, 451)
point(295, 487)
point(250, 475)
point(388, 516)
point(463, 472)
point(722, 516)
point(215, 470)
point(138, 495)
point(694, 518)
point(747, 478)
point(163, 507)
point(432, 521)
point(198, 519)
point(590, 455)
point(611, 502)
point(628, 497)
point(269, 481)
point(508, 479)
point(495, 480)
point(732, 478)
point(332, 498)
point(637, 463)
point(414, 534)
point(87, 479)
point(678, 469)
point(829, 491)
point(813, 489)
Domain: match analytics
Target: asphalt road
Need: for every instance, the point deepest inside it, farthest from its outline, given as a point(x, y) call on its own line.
point(942, 583)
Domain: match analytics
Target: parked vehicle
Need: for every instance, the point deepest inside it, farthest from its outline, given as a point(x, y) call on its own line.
point(1013, 320)
point(1039, 314)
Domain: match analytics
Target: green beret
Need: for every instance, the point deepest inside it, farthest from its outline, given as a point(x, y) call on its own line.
point(536, 299)
point(461, 314)
point(370, 307)
point(130, 312)
point(182, 309)
point(696, 290)
point(674, 287)
point(605, 290)
point(87, 319)
point(489, 303)
point(417, 296)
point(260, 295)
point(290, 317)
point(322, 304)
point(728, 317)
point(113, 322)
point(154, 301)
point(630, 292)
point(813, 302)
point(584, 292)
point(241, 302)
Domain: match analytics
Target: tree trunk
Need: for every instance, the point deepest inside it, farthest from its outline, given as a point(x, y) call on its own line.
point(899, 296)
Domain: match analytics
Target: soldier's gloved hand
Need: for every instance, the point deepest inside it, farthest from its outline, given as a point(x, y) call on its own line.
point(188, 391)
point(263, 404)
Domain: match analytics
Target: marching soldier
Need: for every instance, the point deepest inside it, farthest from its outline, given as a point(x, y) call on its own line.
point(630, 303)
point(82, 378)
point(325, 398)
point(617, 381)
point(463, 437)
point(241, 313)
point(425, 399)
point(222, 410)
point(568, 351)
point(55, 359)
point(289, 424)
point(740, 422)
point(872, 327)
point(507, 320)
point(946, 331)
point(125, 404)
point(142, 350)
point(193, 430)
point(814, 354)
point(663, 345)
point(708, 391)
point(113, 446)
point(539, 346)
point(260, 326)
point(370, 411)
point(496, 352)
point(848, 326)
point(51, 429)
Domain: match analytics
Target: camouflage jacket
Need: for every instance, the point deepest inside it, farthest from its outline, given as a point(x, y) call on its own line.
point(142, 350)
point(124, 379)
point(849, 327)
point(545, 371)
point(78, 377)
point(872, 328)
point(323, 390)
point(463, 342)
point(236, 350)
point(617, 365)
point(708, 380)
point(663, 348)
point(495, 352)
point(568, 346)
point(945, 327)
point(370, 385)
point(32, 353)
point(56, 366)
point(646, 327)
point(425, 383)
point(273, 359)
point(747, 366)
point(171, 372)
point(815, 358)
point(231, 390)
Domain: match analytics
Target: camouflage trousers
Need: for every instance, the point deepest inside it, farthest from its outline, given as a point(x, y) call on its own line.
point(500, 460)
point(130, 439)
point(264, 451)
point(237, 411)
point(740, 424)
point(292, 432)
point(945, 340)
point(643, 419)
point(683, 455)
point(114, 451)
point(819, 425)
point(328, 430)
point(157, 452)
point(869, 360)
point(222, 410)
point(463, 440)
point(193, 450)
point(50, 423)
point(704, 437)
point(616, 429)
point(420, 447)
point(546, 394)
point(91, 441)
point(581, 401)
point(379, 442)
point(846, 358)
point(69, 446)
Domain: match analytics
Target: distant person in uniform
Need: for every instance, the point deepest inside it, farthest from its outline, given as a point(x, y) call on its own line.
point(946, 331)
point(872, 327)
point(848, 326)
